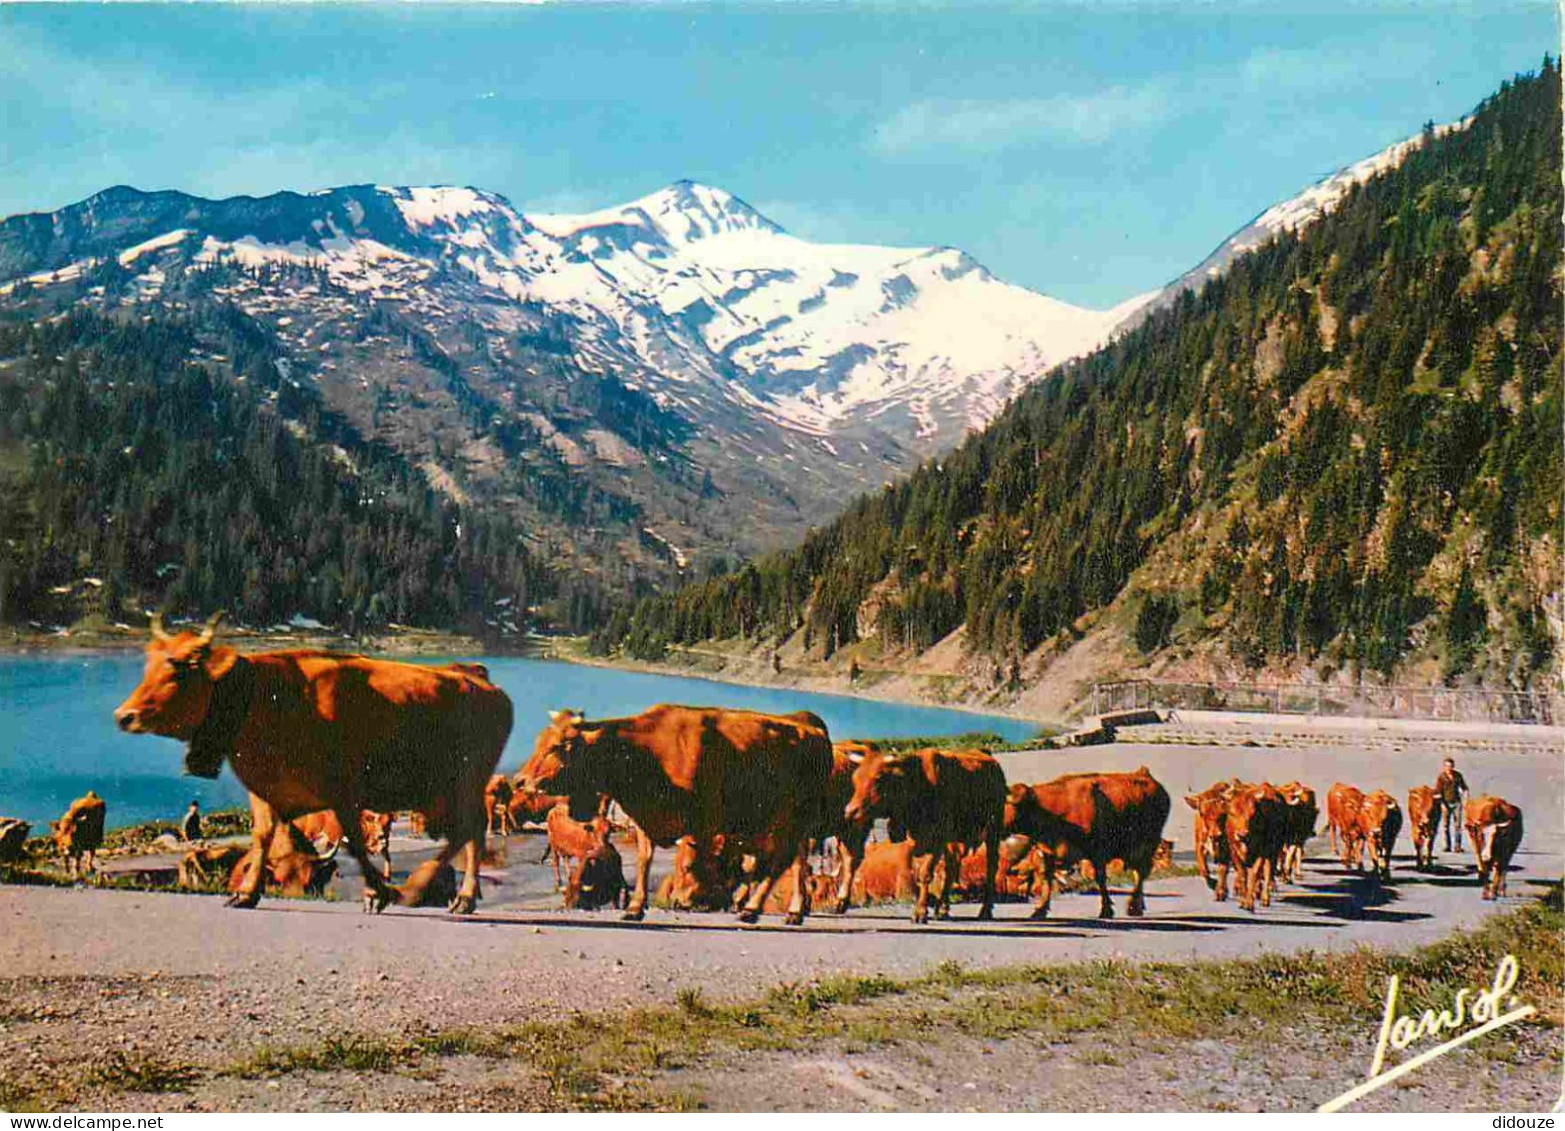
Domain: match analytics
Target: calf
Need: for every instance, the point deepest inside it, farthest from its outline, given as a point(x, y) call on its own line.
point(1423, 818)
point(1494, 826)
point(703, 881)
point(1092, 817)
point(1380, 820)
point(572, 840)
point(292, 866)
point(1257, 828)
point(79, 833)
point(942, 799)
point(1302, 814)
point(598, 879)
point(1343, 804)
point(1211, 835)
point(497, 805)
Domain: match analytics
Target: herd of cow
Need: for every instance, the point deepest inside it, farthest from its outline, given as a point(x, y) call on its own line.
point(329, 746)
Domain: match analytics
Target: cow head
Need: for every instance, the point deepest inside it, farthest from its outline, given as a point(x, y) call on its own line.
point(177, 684)
point(880, 786)
point(559, 764)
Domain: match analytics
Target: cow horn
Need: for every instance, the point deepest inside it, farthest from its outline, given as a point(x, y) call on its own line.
point(211, 628)
point(157, 626)
point(856, 757)
point(332, 855)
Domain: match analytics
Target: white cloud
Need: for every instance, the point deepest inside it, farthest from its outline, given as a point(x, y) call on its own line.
point(989, 125)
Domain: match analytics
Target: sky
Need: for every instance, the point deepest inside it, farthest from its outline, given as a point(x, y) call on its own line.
point(1089, 149)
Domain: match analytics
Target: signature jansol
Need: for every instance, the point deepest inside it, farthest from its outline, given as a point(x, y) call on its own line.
point(1471, 1014)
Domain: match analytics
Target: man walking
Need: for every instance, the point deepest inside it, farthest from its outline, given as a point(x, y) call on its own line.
point(1451, 789)
point(190, 827)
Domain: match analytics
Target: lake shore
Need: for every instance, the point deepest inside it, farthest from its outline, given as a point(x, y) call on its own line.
point(400, 641)
point(908, 689)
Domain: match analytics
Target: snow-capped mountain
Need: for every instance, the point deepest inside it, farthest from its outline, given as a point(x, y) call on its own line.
point(689, 283)
point(1289, 215)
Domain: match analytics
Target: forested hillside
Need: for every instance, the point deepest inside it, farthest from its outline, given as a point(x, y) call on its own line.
point(169, 463)
point(1344, 452)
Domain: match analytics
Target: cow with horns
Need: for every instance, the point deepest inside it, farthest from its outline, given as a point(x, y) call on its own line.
point(311, 730)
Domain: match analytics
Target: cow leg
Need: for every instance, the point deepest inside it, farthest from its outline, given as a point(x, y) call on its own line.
point(1105, 904)
point(948, 882)
point(991, 867)
point(263, 827)
point(377, 893)
point(924, 866)
point(1046, 897)
point(1220, 893)
point(638, 898)
point(1268, 868)
point(849, 857)
point(470, 893)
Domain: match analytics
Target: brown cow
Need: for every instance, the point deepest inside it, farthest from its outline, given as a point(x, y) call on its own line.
point(308, 730)
point(1494, 826)
point(1423, 818)
point(849, 835)
point(1343, 804)
point(1302, 815)
point(79, 833)
point(945, 800)
point(1093, 817)
point(497, 805)
point(293, 866)
point(705, 881)
point(1257, 829)
point(1380, 820)
point(572, 841)
point(1018, 876)
point(886, 875)
point(756, 779)
point(203, 867)
point(324, 831)
point(1211, 834)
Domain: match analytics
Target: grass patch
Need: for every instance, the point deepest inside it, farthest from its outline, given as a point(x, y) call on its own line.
point(127, 1073)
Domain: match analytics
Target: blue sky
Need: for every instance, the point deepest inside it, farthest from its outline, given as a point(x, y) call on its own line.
point(1089, 150)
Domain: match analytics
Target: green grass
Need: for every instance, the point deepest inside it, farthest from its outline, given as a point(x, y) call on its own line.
point(124, 1072)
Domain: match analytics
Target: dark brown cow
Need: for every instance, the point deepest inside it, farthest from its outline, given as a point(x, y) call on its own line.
point(598, 879)
point(13, 839)
point(1211, 834)
point(1257, 829)
point(1494, 826)
point(497, 805)
point(307, 730)
point(1094, 817)
point(1343, 804)
point(1302, 815)
point(1380, 820)
point(79, 833)
point(758, 780)
point(1423, 818)
point(945, 800)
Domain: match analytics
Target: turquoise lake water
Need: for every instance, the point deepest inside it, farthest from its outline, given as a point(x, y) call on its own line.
point(57, 733)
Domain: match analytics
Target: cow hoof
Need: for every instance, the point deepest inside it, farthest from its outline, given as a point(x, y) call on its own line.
point(1040, 913)
point(986, 913)
point(749, 916)
point(1136, 912)
point(794, 919)
point(463, 905)
point(1106, 913)
point(840, 907)
point(243, 901)
point(635, 915)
